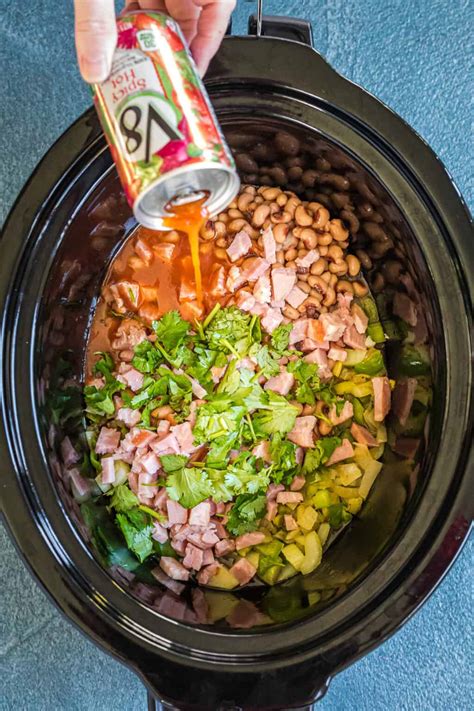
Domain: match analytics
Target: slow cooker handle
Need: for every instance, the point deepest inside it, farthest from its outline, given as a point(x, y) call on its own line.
point(291, 28)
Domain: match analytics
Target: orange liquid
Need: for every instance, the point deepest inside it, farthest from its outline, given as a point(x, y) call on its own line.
point(189, 218)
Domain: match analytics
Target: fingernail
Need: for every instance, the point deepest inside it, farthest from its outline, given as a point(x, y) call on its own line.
point(94, 70)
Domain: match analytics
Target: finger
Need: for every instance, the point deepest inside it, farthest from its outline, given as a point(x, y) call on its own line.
point(186, 13)
point(96, 37)
point(213, 21)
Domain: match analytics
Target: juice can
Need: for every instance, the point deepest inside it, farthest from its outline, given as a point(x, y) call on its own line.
point(159, 123)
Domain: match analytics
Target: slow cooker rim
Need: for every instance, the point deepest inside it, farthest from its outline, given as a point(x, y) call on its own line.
point(68, 132)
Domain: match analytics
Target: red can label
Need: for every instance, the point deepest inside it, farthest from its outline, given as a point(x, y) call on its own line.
point(153, 108)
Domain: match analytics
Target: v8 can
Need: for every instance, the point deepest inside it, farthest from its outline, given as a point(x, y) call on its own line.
point(159, 123)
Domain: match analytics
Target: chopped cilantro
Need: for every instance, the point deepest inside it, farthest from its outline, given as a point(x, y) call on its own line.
point(280, 339)
point(279, 416)
point(137, 529)
point(189, 486)
point(318, 456)
point(246, 512)
point(171, 330)
point(122, 498)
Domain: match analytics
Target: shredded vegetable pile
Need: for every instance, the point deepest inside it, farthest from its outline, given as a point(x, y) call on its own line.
point(225, 452)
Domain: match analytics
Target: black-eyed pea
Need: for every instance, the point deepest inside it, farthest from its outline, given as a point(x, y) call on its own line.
point(302, 253)
point(260, 215)
point(280, 257)
point(353, 265)
point(335, 252)
point(250, 189)
point(324, 239)
point(303, 285)
point(282, 199)
point(220, 253)
point(220, 228)
point(316, 282)
point(234, 213)
point(344, 285)
point(323, 250)
point(314, 300)
point(280, 232)
point(223, 217)
point(244, 201)
point(281, 216)
point(324, 428)
point(349, 219)
point(303, 218)
point(292, 204)
point(291, 254)
point(308, 409)
point(309, 237)
point(330, 297)
point(303, 277)
point(291, 265)
point(270, 193)
point(221, 242)
point(171, 237)
point(326, 276)
point(321, 218)
point(339, 267)
point(360, 289)
point(365, 260)
point(319, 266)
point(323, 165)
point(258, 200)
point(290, 312)
point(338, 231)
point(207, 231)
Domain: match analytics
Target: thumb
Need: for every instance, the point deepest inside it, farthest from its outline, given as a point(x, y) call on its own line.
point(96, 37)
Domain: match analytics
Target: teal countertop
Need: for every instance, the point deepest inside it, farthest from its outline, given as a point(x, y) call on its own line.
point(417, 58)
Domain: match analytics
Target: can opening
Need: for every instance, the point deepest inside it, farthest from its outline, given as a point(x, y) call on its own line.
point(186, 196)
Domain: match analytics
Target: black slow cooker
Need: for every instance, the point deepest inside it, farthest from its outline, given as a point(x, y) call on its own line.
point(281, 106)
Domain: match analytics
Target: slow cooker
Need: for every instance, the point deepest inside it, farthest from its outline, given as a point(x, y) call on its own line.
point(280, 105)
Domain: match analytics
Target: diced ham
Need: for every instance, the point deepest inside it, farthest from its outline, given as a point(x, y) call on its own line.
point(200, 515)
point(296, 297)
point(129, 417)
point(184, 436)
point(382, 398)
point(221, 530)
point(209, 538)
point(126, 295)
point(253, 268)
point(239, 246)
point(345, 414)
point(353, 338)
point(208, 556)
point(245, 300)
point(308, 259)
point(107, 441)
point(166, 445)
point(178, 546)
point(246, 363)
point(403, 396)
point(217, 282)
point(217, 373)
point(283, 281)
point(187, 291)
point(333, 327)
point(302, 432)
point(164, 251)
point(160, 533)
point(108, 470)
point(272, 509)
point(243, 571)
point(273, 490)
point(167, 581)
point(290, 523)
point(163, 427)
point(299, 331)
point(344, 300)
point(142, 438)
point(176, 512)
point(133, 378)
point(205, 574)
point(143, 250)
point(269, 245)
point(129, 334)
point(224, 547)
point(147, 486)
point(362, 435)
point(234, 279)
point(150, 463)
point(191, 310)
point(271, 320)
point(289, 497)
point(337, 353)
point(263, 290)
point(281, 383)
point(133, 482)
point(316, 332)
point(405, 308)
point(197, 389)
point(262, 450)
point(173, 568)
point(344, 451)
point(249, 539)
point(297, 483)
point(193, 557)
point(69, 454)
point(160, 499)
point(319, 357)
point(361, 320)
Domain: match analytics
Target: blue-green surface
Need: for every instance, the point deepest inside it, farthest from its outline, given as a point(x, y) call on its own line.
point(417, 57)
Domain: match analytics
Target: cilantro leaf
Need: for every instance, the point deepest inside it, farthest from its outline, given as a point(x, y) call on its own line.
point(246, 512)
point(319, 455)
point(189, 486)
point(217, 418)
point(220, 491)
point(243, 477)
point(147, 358)
point(308, 382)
point(228, 327)
point(99, 401)
point(267, 364)
point(280, 338)
point(122, 498)
point(137, 529)
point(284, 464)
point(219, 450)
point(171, 330)
point(172, 462)
point(279, 416)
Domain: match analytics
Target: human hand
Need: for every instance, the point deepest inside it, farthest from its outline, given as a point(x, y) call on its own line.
point(203, 23)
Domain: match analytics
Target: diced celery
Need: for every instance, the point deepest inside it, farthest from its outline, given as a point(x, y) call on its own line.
point(354, 357)
point(271, 549)
point(372, 364)
point(271, 575)
point(287, 572)
point(375, 332)
point(368, 305)
point(371, 471)
point(291, 535)
point(103, 487)
point(323, 532)
point(321, 499)
point(346, 474)
point(354, 505)
point(313, 552)
point(306, 517)
point(358, 411)
point(223, 579)
point(299, 540)
point(356, 389)
point(336, 371)
point(253, 558)
point(122, 470)
point(346, 492)
point(293, 555)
